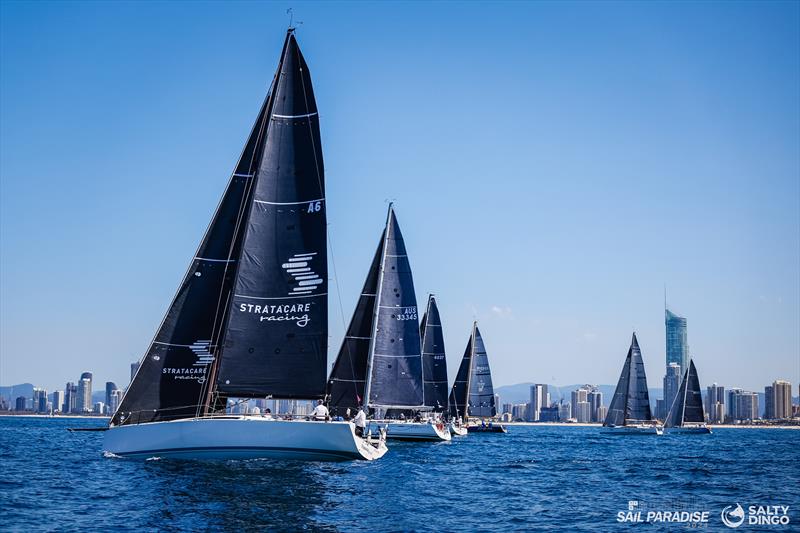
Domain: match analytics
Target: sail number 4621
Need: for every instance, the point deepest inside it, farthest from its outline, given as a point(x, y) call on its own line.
point(409, 313)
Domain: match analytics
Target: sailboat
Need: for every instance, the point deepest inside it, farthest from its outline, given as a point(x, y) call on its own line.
point(629, 412)
point(472, 394)
point(434, 364)
point(686, 414)
point(249, 319)
point(379, 366)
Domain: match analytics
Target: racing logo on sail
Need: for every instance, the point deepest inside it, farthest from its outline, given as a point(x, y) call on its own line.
point(203, 353)
point(298, 266)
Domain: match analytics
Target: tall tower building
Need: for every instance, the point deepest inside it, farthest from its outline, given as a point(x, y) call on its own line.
point(84, 403)
point(677, 345)
point(539, 399)
point(595, 399)
point(110, 388)
point(782, 399)
point(134, 369)
point(715, 403)
point(39, 400)
point(578, 396)
point(769, 403)
point(70, 398)
point(672, 382)
point(58, 400)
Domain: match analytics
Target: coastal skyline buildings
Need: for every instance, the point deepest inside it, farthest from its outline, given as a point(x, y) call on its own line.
point(677, 345)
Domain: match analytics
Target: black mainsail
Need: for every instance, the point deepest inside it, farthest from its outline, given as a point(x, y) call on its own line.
point(391, 372)
point(631, 401)
point(434, 362)
point(472, 393)
point(271, 213)
point(457, 402)
point(688, 404)
point(481, 391)
point(349, 375)
point(275, 340)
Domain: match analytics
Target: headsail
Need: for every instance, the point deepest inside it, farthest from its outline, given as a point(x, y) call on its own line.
point(173, 373)
point(481, 392)
point(434, 362)
point(631, 401)
point(348, 377)
point(688, 404)
point(275, 339)
point(395, 366)
point(457, 401)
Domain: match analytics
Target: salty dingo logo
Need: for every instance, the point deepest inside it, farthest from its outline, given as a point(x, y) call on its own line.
point(733, 518)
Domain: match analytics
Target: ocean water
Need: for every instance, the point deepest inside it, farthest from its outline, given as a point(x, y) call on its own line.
point(533, 478)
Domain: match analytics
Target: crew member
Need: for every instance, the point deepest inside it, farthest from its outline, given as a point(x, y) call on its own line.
point(361, 422)
point(320, 412)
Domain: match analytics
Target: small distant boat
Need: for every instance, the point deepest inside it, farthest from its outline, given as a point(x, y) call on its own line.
point(687, 414)
point(472, 394)
point(380, 364)
point(250, 318)
point(629, 412)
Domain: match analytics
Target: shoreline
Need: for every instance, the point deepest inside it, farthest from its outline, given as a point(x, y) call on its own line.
point(596, 424)
point(37, 415)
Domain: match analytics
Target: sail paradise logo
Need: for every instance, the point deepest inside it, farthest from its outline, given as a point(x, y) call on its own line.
point(732, 516)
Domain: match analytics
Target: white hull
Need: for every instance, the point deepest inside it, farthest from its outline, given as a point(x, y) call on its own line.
point(637, 429)
point(419, 431)
point(457, 431)
point(242, 437)
point(701, 429)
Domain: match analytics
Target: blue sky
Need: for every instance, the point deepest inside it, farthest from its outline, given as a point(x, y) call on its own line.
point(553, 166)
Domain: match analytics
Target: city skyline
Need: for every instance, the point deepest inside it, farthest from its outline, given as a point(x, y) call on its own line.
point(614, 170)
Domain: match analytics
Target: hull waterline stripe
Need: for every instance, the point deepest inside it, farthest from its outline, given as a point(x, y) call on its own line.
point(314, 451)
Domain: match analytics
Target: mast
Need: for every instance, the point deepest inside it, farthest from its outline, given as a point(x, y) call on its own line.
point(375, 311)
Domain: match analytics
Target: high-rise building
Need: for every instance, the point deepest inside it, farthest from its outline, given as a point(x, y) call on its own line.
point(99, 408)
point(58, 400)
point(782, 399)
point(565, 411)
point(578, 396)
point(134, 369)
point(539, 399)
point(748, 406)
point(715, 403)
point(519, 411)
point(549, 414)
point(20, 403)
point(769, 404)
point(116, 398)
point(732, 407)
point(110, 388)
point(70, 398)
point(602, 412)
point(583, 411)
point(677, 345)
point(595, 399)
point(39, 400)
point(672, 382)
point(84, 402)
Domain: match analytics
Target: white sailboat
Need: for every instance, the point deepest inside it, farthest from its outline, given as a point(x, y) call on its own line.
point(380, 365)
point(250, 318)
point(629, 412)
